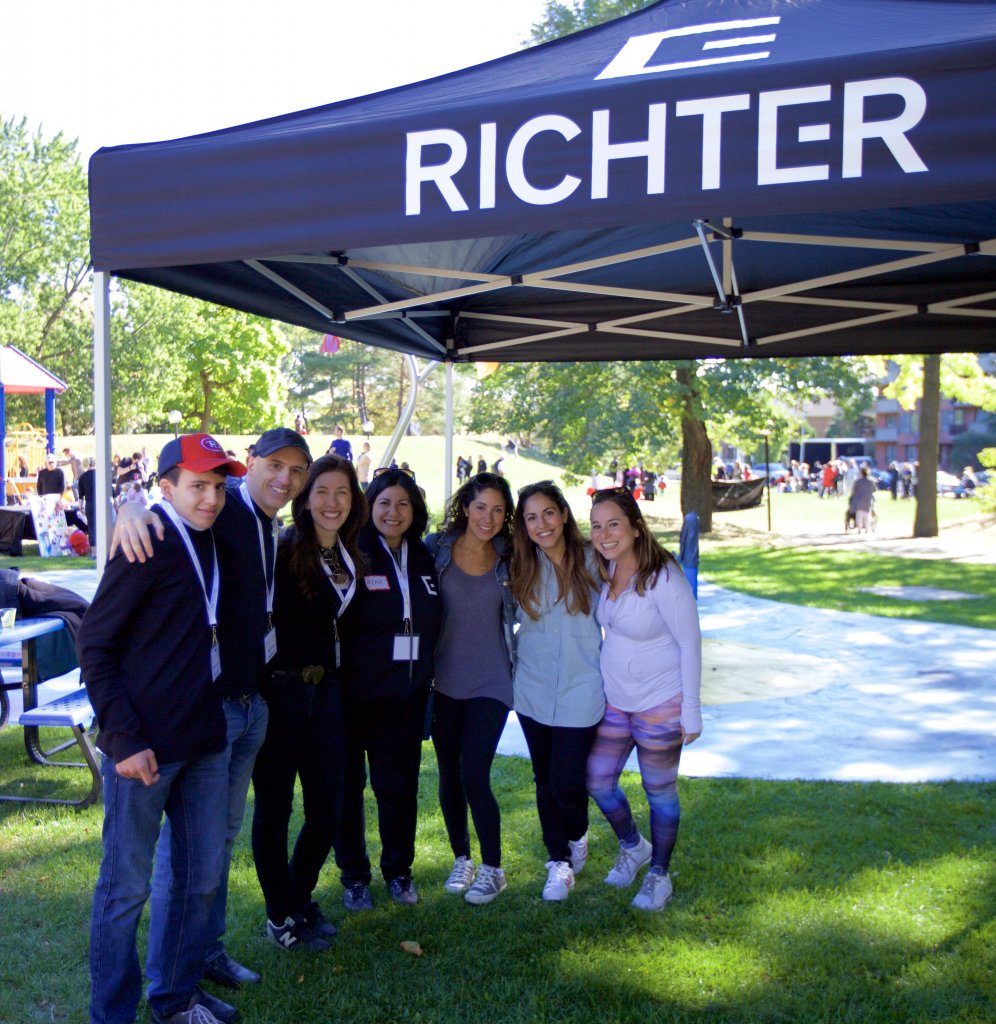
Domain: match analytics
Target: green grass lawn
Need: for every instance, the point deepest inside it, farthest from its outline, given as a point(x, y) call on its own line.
point(794, 902)
point(824, 578)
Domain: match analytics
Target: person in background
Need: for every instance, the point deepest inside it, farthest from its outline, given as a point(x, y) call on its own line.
point(363, 466)
point(474, 664)
point(318, 572)
point(75, 464)
point(340, 446)
point(386, 678)
point(51, 479)
point(557, 686)
point(861, 500)
point(88, 500)
point(651, 666)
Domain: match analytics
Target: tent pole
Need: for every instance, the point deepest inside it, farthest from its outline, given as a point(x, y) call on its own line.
point(409, 410)
point(448, 446)
point(102, 410)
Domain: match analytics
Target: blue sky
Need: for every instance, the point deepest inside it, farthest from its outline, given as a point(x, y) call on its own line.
point(111, 72)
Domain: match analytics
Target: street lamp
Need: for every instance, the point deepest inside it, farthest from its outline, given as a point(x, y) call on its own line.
point(766, 433)
point(174, 416)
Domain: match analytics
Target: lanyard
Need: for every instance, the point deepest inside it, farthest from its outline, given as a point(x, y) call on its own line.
point(244, 492)
point(345, 596)
point(401, 572)
point(211, 602)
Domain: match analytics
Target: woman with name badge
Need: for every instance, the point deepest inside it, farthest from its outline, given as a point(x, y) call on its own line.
point(651, 667)
point(386, 678)
point(559, 699)
point(474, 662)
point(317, 575)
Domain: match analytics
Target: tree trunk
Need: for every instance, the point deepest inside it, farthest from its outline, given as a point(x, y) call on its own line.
point(696, 459)
point(925, 522)
point(207, 386)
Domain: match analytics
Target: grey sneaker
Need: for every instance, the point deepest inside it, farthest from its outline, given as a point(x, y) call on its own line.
point(402, 890)
point(357, 897)
point(461, 877)
point(488, 883)
point(629, 861)
point(559, 881)
point(655, 891)
point(294, 934)
point(579, 853)
point(194, 1014)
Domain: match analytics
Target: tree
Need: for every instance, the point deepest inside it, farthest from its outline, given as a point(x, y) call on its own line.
point(45, 307)
point(560, 19)
point(586, 414)
point(956, 375)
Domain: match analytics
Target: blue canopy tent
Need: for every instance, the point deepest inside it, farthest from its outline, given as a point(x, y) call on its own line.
point(701, 178)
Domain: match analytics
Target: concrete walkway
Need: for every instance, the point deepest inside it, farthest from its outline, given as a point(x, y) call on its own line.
point(804, 693)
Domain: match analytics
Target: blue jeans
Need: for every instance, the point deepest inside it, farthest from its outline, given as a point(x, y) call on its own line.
point(192, 794)
point(246, 730)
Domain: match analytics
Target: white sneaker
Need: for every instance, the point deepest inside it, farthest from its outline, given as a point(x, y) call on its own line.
point(488, 883)
point(559, 880)
point(461, 877)
point(629, 861)
point(579, 853)
point(655, 891)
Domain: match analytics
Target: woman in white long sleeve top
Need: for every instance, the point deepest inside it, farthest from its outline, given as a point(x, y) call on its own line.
point(651, 665)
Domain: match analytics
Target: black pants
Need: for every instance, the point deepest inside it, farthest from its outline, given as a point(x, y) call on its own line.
point(465, 734)
point(388, 736)
point(303, 738)
point(559, 757)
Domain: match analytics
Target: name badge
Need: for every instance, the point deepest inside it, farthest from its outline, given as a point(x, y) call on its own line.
point(406, 648)
point(269, 645)
point(215, 662)
point(377, 582)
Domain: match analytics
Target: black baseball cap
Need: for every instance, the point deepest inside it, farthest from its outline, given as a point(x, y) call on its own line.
point(281, 437)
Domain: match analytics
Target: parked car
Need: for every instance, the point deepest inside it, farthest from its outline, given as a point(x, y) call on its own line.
point(777, 470)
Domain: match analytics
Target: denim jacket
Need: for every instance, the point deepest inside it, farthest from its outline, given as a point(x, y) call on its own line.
point(440, 546)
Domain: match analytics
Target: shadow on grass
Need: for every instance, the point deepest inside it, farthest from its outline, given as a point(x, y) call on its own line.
point(793, 902)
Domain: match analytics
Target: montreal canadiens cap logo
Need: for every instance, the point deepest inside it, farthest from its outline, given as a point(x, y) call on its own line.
point(209, 444)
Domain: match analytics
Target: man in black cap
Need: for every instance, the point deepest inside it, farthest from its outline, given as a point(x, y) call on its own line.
point(246, 533)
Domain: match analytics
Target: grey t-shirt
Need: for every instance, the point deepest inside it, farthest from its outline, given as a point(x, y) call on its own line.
point(471, 659)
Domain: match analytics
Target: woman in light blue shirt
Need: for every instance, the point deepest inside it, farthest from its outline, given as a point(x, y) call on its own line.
point(557, 685)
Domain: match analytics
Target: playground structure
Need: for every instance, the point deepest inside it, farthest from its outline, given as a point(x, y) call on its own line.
point(26, 442)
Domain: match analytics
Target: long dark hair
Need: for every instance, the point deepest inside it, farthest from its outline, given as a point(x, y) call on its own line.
point(302, 545)
point(651, 557)
point(575, 584)
point(455, 518)
point(398, 478)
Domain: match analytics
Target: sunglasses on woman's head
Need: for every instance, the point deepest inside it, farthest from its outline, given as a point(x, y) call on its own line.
point(381, 470)
point(612, 492)
point(538, 486)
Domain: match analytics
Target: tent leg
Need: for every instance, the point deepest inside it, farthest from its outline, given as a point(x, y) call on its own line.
point(102, 410)
point(409, 410)
point(448, 446)
point(3, 444)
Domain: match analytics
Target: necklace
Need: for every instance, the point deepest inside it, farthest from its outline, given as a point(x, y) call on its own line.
point(330, 556)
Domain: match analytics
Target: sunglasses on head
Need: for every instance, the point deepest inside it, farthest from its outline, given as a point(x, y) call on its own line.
point(612, 492)
point(380, 471)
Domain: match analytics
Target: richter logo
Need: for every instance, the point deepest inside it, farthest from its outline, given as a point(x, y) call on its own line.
point(731, 41)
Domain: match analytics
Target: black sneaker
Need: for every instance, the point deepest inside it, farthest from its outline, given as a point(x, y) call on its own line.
point(402, 890)
point(318, 922)
point(295, 934)
point(357, 897)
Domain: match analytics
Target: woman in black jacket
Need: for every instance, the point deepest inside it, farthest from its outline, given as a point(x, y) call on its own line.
point(386, 679)
point(319, 572)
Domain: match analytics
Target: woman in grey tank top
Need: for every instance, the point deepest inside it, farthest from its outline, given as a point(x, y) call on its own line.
point(474, 663)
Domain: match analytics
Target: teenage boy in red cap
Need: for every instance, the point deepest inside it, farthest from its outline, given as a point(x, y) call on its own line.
point(148, 650)
point(246, 535)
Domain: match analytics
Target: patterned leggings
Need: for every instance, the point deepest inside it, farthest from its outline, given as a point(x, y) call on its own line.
point(656, 734)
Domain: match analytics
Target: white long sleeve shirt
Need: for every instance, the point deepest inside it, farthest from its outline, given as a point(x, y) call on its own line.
point(652, 650)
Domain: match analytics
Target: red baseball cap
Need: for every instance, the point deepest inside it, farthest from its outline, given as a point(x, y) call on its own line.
point(200, 453)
